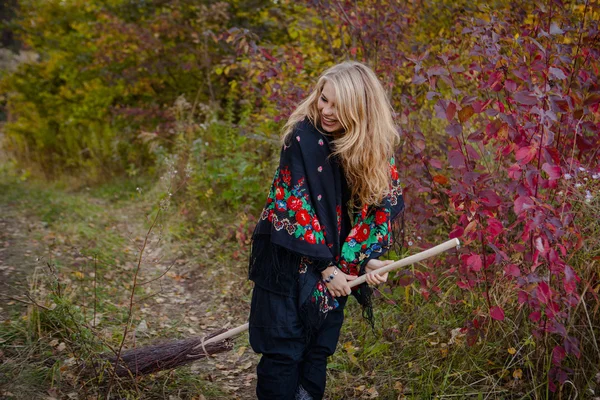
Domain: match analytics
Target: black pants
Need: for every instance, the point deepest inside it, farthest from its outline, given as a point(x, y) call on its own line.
point(288, 358)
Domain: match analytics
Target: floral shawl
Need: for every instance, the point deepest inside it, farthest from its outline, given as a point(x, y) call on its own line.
point(299, 232)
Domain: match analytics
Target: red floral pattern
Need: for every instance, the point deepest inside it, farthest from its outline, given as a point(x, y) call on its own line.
point(325, 300)
point(289, 207)
point(362, 233)
point(381, 216)
point(320, 294)
point(370, 234)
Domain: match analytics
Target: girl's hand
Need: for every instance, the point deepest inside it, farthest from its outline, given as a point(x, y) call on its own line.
point(338, 286)
point(373, 278)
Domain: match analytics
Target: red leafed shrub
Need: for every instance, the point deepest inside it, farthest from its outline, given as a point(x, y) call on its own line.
point(501, 135)
point(521, 105)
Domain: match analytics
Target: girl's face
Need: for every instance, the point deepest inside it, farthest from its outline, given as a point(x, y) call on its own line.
point(327, 109)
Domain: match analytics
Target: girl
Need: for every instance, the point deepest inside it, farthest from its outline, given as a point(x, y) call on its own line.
point(327, 220)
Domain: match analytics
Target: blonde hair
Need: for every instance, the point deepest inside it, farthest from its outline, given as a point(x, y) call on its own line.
point(369, 137)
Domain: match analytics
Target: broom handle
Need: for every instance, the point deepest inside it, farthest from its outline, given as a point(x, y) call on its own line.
point(415, 258)
point(452, 243)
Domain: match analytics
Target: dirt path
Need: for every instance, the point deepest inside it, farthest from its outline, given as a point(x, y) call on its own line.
point(18, 259)
point(197, 295)
point(191, 292)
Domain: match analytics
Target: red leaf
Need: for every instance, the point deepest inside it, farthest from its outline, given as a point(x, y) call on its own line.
point(497, 313)
point(468, 100)
point(553, 171)
point(510, 85)
point(558, 104)
point(465, 113)
point(569, 274)
point(522, 297)
point(456, 159)
point(525, 154)
point(557, 73)
point(523, 203)
point(479, 106)
point(543, 292)
point(418, 146)
point(417, 79)
point(512, 270)
point(474, 261)
point(435, 163)
point(558, 354)
point(557, 327)
point(592, 99)
point(490, 198)
point(462, 285)
point(437, 70)
point(267, 55)
point(440, 108)
point(535, 316)
point(494, 227)
point(456, 233)
point(450, 111)
point(514, 171)
point(441, 179)
point(454, 129)
point(540, 245)
point(571, 344)
point(526, 98)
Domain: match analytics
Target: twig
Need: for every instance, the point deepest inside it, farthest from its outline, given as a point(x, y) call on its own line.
point(95, 291)
point(29, 303)
point(161, 275)
point(329, 41)
point(441, 396)
point(142, 299)
point(130, 310)
point(590, 325)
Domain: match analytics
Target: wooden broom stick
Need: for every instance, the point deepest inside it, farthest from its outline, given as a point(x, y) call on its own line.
point(440, 248)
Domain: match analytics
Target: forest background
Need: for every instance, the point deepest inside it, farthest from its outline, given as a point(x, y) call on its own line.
point(170, 112)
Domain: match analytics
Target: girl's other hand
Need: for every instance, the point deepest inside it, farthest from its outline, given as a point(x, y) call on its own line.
point(373, 278)
point(338, 286)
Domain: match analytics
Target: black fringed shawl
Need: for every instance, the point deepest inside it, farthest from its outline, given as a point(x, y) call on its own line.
point(304, 227)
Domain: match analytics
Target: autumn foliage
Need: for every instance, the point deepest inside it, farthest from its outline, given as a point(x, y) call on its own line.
point(501, 131)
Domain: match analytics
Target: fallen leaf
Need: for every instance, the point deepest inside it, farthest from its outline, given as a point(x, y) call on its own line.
point(517, 374)
point(142, 327)
point(241, 351)
point(78, 274)
point(246, 366)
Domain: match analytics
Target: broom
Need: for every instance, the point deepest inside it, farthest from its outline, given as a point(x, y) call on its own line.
point(145, 360)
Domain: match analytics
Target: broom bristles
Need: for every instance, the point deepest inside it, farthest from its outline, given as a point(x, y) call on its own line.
point(162, 356)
